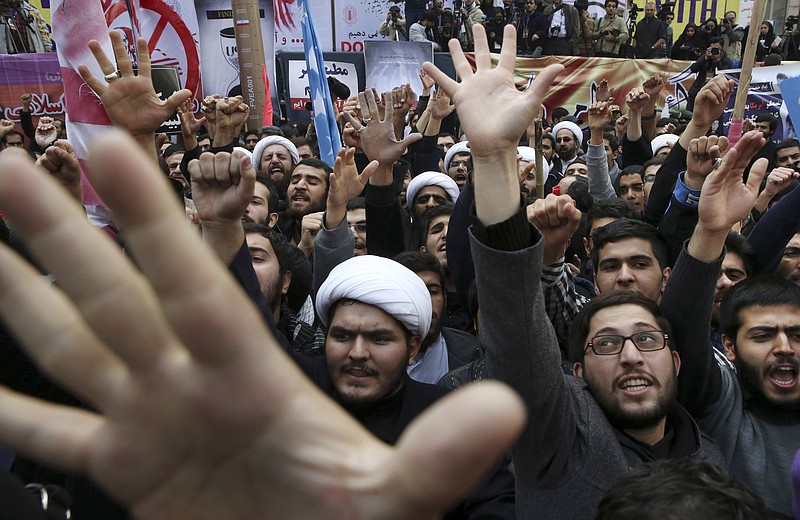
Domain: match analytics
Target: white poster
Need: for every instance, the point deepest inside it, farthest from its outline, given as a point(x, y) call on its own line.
point(359, 20)
point(391, 64)
point(299, 91)
point(289, 34)
point(220, 63)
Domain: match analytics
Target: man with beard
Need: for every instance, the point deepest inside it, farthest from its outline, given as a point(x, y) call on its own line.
point(306, 194)
point(443, 349)
point(276, 157)
point(568, 137)
point(789, 267)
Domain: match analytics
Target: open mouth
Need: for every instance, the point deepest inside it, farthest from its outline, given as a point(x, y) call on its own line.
point(276, 173)
point(783, 376)
point(634, 385)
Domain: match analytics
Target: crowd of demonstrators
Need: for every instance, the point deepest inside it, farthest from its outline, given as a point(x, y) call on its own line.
point(297, 339)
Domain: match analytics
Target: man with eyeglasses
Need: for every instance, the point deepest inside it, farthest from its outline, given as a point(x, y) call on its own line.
point(531, 30)
point(457, 163)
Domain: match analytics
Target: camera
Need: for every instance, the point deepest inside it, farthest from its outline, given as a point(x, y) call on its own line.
point(791, 22)
point(634, 10)
point(555, 30)
point(715, 51)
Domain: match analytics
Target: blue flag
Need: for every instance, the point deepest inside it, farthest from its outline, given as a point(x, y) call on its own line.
point(324, 119)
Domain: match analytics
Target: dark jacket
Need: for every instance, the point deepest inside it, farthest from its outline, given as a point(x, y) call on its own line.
point(568, 455)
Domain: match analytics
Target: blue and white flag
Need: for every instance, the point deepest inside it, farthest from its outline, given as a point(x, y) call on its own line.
point(324, 118)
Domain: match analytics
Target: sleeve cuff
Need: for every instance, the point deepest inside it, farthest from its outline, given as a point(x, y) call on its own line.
point(683, 194)
point(513, 234)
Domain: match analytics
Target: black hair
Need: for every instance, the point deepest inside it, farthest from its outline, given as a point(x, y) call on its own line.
point(290, 258)
point(560, 113)
point(316, 163)
point(428, 216)
point(429, 16)
point(715, 39)
point(252, 132)
point(610, 208)
point(761, 291)
point(271, 130)
point(658, 160)
point(613, 142)
point(768, 118)
point(685, 489)
point(737, 244)
point(419, 261)
point(628, 228)
point(579, 191)
point(628, 170)
point(273, 201)
point(791, 142)
point(289, 131)
point(356, 203)
point(579, 331)
point(172, 150)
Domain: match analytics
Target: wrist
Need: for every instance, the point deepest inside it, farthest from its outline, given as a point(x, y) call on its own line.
point(692, 181)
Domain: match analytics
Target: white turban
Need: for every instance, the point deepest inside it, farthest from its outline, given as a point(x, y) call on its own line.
point(432, 179)
point(572, 127)
point(459, 147)
point(381, 282)
point(529, 155)
point(258, 151)
point(663, 140)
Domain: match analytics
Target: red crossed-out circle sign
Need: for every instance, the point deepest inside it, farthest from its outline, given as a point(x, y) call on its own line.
point(169, 39)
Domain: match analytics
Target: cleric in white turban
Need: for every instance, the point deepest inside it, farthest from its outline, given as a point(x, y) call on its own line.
point(381, 282)
point(440, 179)
point(262, 145)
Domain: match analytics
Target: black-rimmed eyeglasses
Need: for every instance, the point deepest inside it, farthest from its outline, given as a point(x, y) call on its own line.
point(611, 344)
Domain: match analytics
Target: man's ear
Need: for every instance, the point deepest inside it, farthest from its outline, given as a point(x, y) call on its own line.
point(577, 369)
point(730, 348)
point(273, 219)
point(414, 345)
point(423, 249)
point(676, 361)
point(665, 277)
point(287, 281)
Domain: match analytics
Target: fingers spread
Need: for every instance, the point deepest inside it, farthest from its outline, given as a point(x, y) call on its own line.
point(448, 449)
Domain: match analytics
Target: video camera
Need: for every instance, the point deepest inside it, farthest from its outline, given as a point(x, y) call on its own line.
point(633, 12)
point(665, 10)
point(791, 22)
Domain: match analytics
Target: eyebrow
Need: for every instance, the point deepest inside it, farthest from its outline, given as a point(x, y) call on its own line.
point(638, 325)
point(632, 258)
point(773, 329)
point(257, 249)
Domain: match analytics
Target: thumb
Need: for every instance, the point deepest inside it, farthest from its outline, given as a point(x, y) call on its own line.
point(177, 98)
point(445, 452)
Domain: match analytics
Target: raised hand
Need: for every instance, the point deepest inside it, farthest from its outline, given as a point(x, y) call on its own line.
point(491, 109)
point(599, 118)
point(130, 100)
point(231, 113)
point(209, 108)
point(701, 158)
point(309, 227)
point(725, 199)
point(605, 92)
point(61, 161)
point(440, 105)
point(377, 134)
point(557, 218)
point(653, 86)
point(427, 82)
point(6, 126)
point(189, 392)
point(344, 184)
point(493, 113)
point(25, 99)
point(637, 99)
point(711, 102)
point(189, 124)
point(46, 132)
point(778, 179)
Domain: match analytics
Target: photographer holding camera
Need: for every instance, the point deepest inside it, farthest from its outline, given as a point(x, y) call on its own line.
point(706, 67)
point(394, 26)
point(610, 31)
point(732, 38)
point(564, 28)
point(531, 29)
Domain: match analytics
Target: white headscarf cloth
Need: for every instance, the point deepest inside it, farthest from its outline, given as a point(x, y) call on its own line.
point(663, 140)
point(572, 127)
point(432, 179)
point(459, 147)
point(529, 155)
point(258, 151)
point(381, 282)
